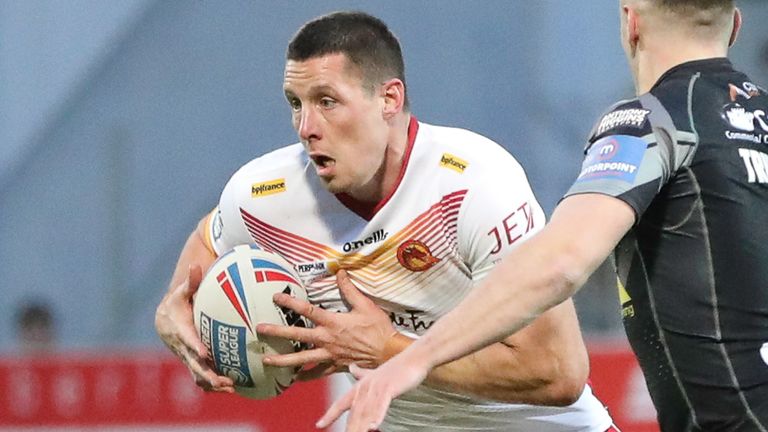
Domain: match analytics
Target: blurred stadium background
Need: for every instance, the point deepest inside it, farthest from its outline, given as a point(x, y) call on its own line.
point(120, 122)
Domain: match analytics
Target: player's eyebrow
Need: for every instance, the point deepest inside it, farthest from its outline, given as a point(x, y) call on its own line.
point(313, 90)
point(322, 89)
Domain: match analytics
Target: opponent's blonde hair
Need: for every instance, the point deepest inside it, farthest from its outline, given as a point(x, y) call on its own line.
point(702, 16)
point(688, 5)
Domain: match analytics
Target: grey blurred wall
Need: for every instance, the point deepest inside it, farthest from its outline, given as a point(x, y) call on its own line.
point(121, 121)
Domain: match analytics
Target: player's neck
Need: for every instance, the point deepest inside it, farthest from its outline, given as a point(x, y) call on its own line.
point(386, 180)
point(656, 60)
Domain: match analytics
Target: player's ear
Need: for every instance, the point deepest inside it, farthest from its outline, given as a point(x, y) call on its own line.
point(633, 28)
point(393, 93)
point(736, 27)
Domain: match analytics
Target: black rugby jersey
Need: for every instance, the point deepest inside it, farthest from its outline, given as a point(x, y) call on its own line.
point(691, 158)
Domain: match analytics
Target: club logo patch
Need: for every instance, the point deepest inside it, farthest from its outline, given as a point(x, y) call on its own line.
point(416, 256)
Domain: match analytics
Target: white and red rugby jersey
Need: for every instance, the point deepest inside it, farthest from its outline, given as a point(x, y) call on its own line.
point(461, 204)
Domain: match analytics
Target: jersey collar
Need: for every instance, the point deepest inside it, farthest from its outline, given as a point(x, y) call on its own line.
point(707, 65)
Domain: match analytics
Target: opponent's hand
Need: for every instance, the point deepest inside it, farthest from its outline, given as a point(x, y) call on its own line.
point(338, 339)
point(369, 399)
point(174, 323)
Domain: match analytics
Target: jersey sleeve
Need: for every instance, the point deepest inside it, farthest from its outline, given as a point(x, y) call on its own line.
point(225, 228)
point(632, 153)
point(499, 212)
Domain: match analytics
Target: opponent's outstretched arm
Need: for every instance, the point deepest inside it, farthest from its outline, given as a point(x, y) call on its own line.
point(539, 274)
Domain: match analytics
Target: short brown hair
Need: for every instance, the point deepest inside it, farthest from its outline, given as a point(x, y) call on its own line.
point(364, 39)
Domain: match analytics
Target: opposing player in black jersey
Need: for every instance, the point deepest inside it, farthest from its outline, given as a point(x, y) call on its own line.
point(675, 182)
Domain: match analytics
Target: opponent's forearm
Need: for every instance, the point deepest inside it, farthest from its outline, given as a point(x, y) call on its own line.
point(500, 372)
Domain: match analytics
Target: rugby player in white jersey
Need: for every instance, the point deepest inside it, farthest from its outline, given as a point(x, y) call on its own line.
point(390, 223)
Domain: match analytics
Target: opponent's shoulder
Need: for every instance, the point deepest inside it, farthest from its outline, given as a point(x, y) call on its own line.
point(626, 117)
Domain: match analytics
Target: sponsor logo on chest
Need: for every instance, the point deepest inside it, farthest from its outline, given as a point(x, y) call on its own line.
point(315, 270)
point(745, 125)
point(377, 236)
point(413, 320)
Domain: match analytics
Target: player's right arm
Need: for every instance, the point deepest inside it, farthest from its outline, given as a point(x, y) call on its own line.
point(216, 233)
point(174, 319)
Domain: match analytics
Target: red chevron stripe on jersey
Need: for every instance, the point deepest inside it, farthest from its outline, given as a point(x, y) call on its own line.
point(287, 244)
point(436, 227)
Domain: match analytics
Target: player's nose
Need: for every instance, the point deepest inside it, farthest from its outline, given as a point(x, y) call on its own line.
point(309, 129)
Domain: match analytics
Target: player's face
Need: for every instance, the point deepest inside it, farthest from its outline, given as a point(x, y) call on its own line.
point(340, 123)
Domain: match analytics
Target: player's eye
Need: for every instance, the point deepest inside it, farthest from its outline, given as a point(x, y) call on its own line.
point(295, 104)
point(327, 102)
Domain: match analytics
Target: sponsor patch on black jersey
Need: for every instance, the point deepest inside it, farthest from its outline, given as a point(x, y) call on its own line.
point(633, 117)
point(615, 157)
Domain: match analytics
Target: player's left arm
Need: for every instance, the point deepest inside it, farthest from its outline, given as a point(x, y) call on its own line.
point(543, 364)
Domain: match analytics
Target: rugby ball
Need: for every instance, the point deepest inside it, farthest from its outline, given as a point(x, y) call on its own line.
point(234, 296)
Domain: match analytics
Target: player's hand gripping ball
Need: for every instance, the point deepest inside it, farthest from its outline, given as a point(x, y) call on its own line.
point(235, 295)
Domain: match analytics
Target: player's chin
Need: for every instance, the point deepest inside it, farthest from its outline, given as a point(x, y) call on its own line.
point(334, 185)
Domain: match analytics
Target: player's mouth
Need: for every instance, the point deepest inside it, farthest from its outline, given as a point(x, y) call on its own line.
point(323, 164)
